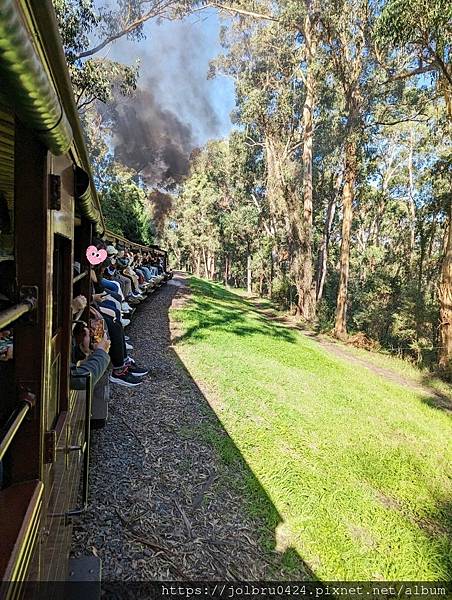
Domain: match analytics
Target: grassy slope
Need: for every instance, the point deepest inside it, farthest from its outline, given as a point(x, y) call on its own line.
point(358, 468)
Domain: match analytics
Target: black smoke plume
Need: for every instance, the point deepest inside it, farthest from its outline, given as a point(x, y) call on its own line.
point(161, 205)
point(151, 139)
point(171, 113)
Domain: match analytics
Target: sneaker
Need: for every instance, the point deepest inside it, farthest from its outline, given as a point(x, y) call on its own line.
point(126, 337)
point(125, 378)
point(134, 368)
point(129, 346)
point(125, 307)
point(138, 371)
point(132, 300)
point(125, 322)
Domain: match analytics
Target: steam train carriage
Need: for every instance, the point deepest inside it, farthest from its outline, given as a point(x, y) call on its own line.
point(49, 212)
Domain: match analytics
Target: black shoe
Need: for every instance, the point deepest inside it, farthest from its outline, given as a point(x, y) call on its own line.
point(134, 368)
point(125, 378)
point(138, 371)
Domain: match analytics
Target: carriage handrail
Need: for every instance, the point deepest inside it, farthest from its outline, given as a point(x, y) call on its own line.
point(85, 449)
point(80, 276)
point(12, 425)
point(9, 315)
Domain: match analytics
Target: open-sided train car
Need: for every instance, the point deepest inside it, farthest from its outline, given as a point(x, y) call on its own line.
point(49, 212)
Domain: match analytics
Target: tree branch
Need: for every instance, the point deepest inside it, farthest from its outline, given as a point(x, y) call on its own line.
point(128, 29)
point(238, 11)
point(407, 74)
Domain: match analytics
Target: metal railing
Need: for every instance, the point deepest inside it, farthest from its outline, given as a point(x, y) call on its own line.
point(15, 420)
point(79, 277)
point(9, 315)
point(85, 447)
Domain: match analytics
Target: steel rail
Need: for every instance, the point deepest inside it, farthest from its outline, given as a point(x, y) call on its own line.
point(79, 277)
point(12, 425)
point(9, 315)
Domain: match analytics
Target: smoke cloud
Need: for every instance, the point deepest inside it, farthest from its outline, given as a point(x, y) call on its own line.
point(161, 207)
point(172, 112)
point(151, 139)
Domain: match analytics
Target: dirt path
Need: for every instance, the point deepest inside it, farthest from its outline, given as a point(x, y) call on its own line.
point(341, 351)
point(162, 503)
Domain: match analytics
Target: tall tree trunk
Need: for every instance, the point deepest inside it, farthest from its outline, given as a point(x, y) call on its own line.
point(206, 267)
point(340, 327)
point(226, 269)
point(445, 300)
point(307, 301)
point(272, 275)
point(285, 206)
point(411, 204)
point(249, 274)
point(198, 264)
point(212, 266)
point(324, 246)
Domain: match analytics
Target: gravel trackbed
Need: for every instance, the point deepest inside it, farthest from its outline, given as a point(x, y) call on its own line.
point(163, 506)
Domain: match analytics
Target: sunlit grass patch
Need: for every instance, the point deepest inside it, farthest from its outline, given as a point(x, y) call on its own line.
point(357, 468)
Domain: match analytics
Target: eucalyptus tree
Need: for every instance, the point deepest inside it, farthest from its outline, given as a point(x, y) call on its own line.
point(347, 36)
point(264, 60)
point(422, 31)
point(94, 78)
point(300, 20)
point(108, 22)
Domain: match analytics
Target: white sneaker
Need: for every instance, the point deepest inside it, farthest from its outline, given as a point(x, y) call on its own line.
point(125, 307)
point(129, 346)
point(125, 322)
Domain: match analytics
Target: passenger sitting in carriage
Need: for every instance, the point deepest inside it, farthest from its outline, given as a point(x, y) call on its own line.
point(125, 370)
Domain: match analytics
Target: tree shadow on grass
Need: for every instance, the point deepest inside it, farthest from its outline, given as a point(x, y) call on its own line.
point(227, 312)
point(251, 550)
point(255, 499)
point(438, 399)
point(436, 524)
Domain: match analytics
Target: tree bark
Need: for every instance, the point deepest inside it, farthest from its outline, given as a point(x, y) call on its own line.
point(198, 265)
point(206, 268)
point(324, 246)
point(340, 327)
point(212, 266)
point(411, 204)
point(249, 274)
point(306, 293)
point(226, 269)
point(445, 300)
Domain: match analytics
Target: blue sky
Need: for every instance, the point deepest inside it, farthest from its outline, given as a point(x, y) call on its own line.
point(174, 60)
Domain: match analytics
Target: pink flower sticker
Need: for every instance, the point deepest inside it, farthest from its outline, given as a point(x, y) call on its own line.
point(95, 256)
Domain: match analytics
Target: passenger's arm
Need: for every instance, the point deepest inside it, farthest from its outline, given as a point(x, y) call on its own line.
point(96, 364)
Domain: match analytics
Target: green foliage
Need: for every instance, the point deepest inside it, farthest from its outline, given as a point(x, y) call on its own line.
point(283, 291)
point(418, 22)
point(126, 208)
point(422, 30)
point(94, 78)
point(215, 218)
point(349, 463)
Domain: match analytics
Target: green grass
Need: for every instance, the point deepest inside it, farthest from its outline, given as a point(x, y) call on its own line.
point(351, 473)
point(403, 367)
